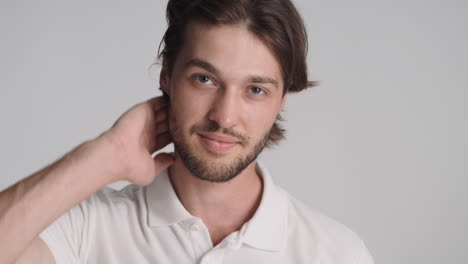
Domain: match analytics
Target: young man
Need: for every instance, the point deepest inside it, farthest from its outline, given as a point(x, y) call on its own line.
point(227, 68)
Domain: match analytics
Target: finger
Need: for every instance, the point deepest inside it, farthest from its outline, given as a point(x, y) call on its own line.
point(162, 161)
point(162, 127)
point(161, 115)
point(159, 138)
point(157, 103)
point(162, 141)
point(152, 139)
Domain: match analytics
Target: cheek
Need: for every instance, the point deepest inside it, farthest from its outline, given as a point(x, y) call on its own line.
point(260, 120)
point(186, 106)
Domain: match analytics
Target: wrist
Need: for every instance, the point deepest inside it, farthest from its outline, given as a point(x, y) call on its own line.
point(108, 156)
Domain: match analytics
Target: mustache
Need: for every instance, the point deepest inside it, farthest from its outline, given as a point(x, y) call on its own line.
point(215, 127)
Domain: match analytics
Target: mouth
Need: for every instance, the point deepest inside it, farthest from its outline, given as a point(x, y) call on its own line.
point(218, 143)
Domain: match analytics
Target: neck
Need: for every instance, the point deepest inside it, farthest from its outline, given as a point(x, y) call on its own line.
point(223, 207)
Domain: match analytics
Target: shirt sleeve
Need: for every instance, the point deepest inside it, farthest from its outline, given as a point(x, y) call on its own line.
point(64, 237)
point(365, 256)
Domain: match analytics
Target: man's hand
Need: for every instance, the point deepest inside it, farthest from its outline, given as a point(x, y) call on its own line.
point(124, 152)
point(136, 135)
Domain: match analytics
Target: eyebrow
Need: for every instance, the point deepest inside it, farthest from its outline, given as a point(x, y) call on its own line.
point(202, 64)
point(212, 69)
point(261, 79)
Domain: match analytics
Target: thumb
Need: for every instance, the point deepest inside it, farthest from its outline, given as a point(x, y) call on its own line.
point(162, 161)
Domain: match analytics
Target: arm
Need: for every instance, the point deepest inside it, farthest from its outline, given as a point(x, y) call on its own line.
point(121, 153)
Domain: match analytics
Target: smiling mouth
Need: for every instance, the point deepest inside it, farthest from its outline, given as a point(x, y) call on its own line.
point(217, 144)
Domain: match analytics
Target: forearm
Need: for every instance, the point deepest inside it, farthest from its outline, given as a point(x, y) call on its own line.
point(32, 204)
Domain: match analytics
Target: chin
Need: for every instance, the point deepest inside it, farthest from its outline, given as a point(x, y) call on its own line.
point(214, 168)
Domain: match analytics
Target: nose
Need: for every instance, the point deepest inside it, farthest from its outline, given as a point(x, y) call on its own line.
point(225, 109)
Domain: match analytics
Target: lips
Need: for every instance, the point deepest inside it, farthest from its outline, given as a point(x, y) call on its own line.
point(220, 138)
point(218, 143)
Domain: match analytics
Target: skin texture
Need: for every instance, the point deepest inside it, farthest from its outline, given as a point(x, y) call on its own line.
point(222, 100)
point(229, 101)
point(218, 86)
point(124, 152)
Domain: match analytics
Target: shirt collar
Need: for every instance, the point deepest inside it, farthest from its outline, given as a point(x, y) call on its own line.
point(164, 207)
point(268, 226)
point(265, 230)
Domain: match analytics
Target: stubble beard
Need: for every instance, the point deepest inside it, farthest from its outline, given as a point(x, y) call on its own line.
point(211, 170)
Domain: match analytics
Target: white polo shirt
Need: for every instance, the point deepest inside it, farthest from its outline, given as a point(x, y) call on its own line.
point(148, 224)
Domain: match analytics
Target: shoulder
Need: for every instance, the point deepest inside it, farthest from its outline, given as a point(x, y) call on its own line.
point(128, 192)
point(300, 215)
point(108, 199)
point(331, 238)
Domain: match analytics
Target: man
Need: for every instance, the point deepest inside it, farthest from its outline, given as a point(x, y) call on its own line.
point(227, 69)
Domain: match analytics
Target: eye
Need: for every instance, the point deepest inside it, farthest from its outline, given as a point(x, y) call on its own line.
point(203, 78)
point(256, 90)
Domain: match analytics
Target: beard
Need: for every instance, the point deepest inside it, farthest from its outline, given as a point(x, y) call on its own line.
point(207, 169)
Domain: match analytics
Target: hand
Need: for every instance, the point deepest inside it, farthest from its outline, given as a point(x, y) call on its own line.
point(136, 135)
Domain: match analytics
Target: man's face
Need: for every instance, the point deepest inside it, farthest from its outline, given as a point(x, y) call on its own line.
point(226, 91)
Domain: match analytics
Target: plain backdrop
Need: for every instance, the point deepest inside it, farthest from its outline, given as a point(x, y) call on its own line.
point(381, 145)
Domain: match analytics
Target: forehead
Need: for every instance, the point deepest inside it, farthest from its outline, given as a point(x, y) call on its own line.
point(232, 49)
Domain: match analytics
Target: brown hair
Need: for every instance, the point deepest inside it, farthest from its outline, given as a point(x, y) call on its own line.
point(276, 22)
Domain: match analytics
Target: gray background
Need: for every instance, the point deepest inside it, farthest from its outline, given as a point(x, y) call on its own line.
point(381, 145)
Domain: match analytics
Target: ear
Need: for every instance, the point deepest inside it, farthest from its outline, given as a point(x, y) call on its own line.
point(283, 100)
point(164, 80)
